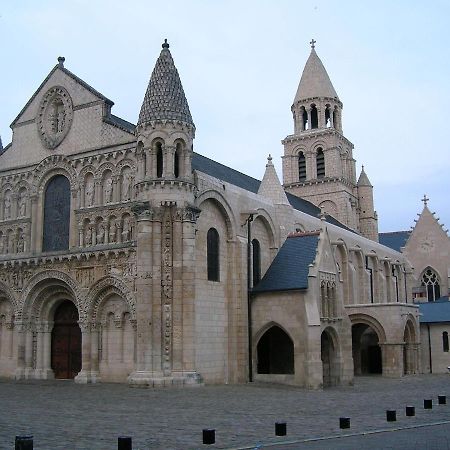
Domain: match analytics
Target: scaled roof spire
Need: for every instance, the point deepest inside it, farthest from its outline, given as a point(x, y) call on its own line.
point(165, 99)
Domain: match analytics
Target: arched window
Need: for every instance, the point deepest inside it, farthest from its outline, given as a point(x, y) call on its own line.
point(176, 161)
point(305, 119)
point(314, 117)
point(212, 254)
point(159, 160)
point(320, 163)
point(56, 214)
point(445, 341)
point(301, 167)
point(430, 280)
point(256, 262)
point(327, 117)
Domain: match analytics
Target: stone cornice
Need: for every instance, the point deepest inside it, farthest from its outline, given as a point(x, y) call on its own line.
point(317, 181)
point(314, 134)
point(76, 254)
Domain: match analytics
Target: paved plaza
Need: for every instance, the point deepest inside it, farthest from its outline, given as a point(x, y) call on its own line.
point(63, 415)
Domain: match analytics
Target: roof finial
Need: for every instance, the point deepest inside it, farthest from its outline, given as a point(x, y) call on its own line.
point(61, 60)
point(313, 43)
point(166, 44)
point(425, 199)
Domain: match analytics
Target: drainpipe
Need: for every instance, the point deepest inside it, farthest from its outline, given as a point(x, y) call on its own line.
point(370, 278)
point(429, 348)
point(396, 283)
point(249, 295)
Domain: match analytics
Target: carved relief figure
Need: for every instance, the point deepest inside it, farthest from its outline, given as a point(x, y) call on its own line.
point(22, 204)
point(101, 234)
point(89, 193)
point(126, 186)
point(21, 242)
point(88, 237)
point(7, 206)
point(112, 231)
point(108, 190)
point(126, 231)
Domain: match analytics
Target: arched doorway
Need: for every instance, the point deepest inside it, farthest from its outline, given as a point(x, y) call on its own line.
point(66, 341)
point(366, 350)
point(275, 352)
point(328, 353)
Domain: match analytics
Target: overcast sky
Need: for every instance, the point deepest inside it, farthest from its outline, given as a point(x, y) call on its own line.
point(240, 63)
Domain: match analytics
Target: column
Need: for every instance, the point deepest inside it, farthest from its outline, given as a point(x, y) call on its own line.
point(73, 238)
point(29, 352)
point(20, 365)
point(308, 111)
point(84, 376)
point(95, 363)
point(47, 372)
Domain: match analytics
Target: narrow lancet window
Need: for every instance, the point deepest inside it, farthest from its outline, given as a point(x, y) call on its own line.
point(314, 117)
point(256, 261)
point(301, 167)
point(320, 163)
point(159, 160)
point(212, 254)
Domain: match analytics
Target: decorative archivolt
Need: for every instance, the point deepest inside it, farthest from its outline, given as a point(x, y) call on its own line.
point(6, 293)
point(51, 166)
point(102, 290)
point(45, 279)
point(105, 167)
point(89, 169)
point(125, 163)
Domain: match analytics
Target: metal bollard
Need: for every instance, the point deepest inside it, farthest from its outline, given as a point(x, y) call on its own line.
point(209, 436)
point(391, 415)
point(428, 403)
point(124, 443)
point(410, 411)
point(344, 422)
point(442, 400)
point(280, 429)
point(24, 443)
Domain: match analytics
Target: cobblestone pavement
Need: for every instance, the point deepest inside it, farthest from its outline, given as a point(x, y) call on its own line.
point(64, 415)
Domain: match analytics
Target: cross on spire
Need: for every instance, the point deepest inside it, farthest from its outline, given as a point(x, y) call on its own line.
point(313, 43)
point(425, 199)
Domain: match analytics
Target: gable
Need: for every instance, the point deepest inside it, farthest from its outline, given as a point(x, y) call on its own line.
point(64, 116)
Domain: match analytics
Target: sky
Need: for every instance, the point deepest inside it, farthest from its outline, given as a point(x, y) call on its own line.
point(240, 63)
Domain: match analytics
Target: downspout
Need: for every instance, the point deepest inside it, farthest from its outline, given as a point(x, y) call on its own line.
point(370, 278)
point(396, 283)
point(429, 348)
point(406, 288)
point(249, 297)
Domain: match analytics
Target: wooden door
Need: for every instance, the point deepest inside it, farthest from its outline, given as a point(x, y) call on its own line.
point(66, 341)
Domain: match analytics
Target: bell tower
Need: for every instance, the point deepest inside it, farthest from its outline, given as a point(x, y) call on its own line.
point(318, 162)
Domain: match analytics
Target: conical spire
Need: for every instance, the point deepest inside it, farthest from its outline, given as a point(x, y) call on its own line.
point(165, 99)
point(363, 179)
point(315, 81)
point(271, 187)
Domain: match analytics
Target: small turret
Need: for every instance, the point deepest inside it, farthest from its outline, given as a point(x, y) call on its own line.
point(165, 129)
point(368, 220)
point(271, 187)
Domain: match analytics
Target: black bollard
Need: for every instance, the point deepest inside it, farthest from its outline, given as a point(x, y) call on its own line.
point(391, 415)
point(280, 428)
point(442, 400)
point(24, 443)
point(428, 403)
point(124, 443)
point(209, 436)
point(344, 422)
point(410, 411)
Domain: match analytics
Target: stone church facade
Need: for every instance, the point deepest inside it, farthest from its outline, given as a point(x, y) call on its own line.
point(128, 257)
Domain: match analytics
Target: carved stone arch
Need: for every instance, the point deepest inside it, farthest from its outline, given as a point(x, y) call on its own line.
point(177, 137)
point(50, 167)
point(99, 173)
point(267, 221)
point(410, 325)
point(159, 136)
point(220, 201)
point(372, 322)
point(125, 163)
point(299, 149)
point(45, 279)
point(7, 187)
point(319, 144)
point(55, 295)
point(5, 292)
point(102, 290)
point(85, 171)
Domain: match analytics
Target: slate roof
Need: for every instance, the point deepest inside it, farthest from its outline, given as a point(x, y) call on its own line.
point(165, 99)
point(232, 176)
point(394, 239)
point(315, 81)
point(121, 123)
point(434, 312)
point(289, 270)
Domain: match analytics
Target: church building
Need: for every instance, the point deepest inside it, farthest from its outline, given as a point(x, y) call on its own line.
point(126, 256)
